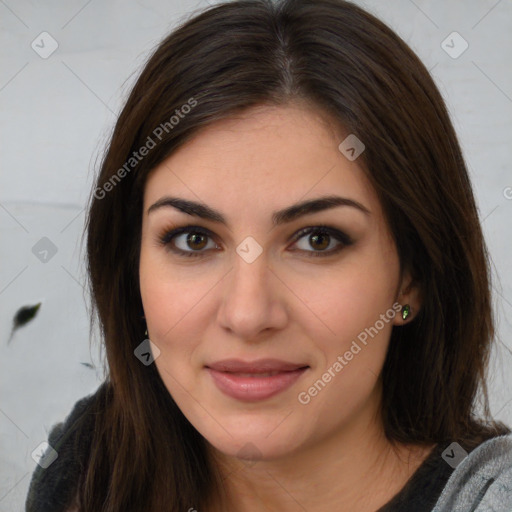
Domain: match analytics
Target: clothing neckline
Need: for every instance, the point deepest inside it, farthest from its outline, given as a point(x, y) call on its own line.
point(424, 486)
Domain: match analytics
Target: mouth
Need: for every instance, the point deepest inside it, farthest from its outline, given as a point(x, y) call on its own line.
point(254, 381)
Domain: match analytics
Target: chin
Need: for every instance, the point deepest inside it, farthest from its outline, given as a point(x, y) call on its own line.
point(252, 442)
point(252, 450)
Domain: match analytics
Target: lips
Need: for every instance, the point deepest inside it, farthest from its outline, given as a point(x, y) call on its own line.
point(255, 380)
point(261, 366)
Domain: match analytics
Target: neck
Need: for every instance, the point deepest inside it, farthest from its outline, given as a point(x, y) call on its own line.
point(354, 468)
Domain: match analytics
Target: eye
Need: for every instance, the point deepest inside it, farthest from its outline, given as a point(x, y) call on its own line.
point(193, 241)
point(188, 241)
point(323, 239)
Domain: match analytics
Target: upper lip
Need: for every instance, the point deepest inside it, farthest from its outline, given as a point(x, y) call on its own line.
point(257, 366)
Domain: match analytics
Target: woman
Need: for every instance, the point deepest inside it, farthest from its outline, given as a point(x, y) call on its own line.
point(284, 211)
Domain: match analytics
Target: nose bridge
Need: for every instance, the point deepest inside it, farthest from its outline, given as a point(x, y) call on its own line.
point(249, 281)
point(250, 269)
point(252, 272)
point(250, 298)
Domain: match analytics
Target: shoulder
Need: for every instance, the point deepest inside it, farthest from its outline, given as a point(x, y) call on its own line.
point(482, 481)
point(54, 481)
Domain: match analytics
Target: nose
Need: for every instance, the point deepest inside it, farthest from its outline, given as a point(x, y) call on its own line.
point(253, 299)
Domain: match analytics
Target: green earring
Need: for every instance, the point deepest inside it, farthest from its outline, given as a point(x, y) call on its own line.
point(406, 311)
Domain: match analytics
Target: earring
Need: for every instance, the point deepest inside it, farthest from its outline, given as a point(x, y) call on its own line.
point(143, 317)
point(406, 311)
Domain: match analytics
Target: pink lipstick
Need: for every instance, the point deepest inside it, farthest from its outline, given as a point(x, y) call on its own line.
point(255, 380)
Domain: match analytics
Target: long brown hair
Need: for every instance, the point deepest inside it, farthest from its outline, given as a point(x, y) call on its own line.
point(145, 455)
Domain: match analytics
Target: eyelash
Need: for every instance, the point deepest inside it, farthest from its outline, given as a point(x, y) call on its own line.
point(167, 236)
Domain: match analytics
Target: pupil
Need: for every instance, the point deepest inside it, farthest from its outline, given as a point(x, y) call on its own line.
point(193, 240)
point(317, 239)
point(321, 241)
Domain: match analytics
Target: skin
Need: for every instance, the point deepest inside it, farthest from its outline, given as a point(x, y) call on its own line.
point(330, 454)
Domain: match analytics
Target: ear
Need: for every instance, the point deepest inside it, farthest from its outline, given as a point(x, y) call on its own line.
point(410, 294)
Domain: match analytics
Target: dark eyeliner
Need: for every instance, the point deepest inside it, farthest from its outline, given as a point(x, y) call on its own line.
point(168, 234)
point(338, 235)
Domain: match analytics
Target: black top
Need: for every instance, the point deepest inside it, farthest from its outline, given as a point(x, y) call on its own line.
point(53, 489)
point(424, 487)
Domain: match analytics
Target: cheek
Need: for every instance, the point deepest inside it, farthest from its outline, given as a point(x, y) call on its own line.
point(354, 309)
point(166, 306)
point(163, 300)
point(166, 296)
point(175, 301)
point(352, 342)
point(353, 296)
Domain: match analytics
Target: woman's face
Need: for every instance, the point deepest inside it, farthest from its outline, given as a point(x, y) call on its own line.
point(249, 287)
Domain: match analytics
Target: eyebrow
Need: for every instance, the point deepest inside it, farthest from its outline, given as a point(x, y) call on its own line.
point(283, 216)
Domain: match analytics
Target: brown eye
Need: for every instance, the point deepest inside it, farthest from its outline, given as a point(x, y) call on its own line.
point(324, 240)
point(320, 241)
point(188, 241)
point(196, 241)
point(192, 241)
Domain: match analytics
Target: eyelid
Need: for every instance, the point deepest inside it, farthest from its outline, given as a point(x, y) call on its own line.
point(167, 235)
point(323, 228)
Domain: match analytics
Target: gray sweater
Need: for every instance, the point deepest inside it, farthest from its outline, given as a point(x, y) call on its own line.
point(482, 481)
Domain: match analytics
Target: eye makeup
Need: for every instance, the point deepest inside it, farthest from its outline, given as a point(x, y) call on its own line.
point(167, 238)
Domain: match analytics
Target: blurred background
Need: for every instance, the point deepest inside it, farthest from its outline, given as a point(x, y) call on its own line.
point(66, 68)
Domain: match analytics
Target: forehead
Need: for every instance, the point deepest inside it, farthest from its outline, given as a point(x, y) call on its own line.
point(263, 158)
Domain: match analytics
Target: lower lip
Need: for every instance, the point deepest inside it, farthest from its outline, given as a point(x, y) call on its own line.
point(252, 389)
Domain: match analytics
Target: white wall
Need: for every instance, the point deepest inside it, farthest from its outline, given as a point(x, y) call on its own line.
point(55, 115)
